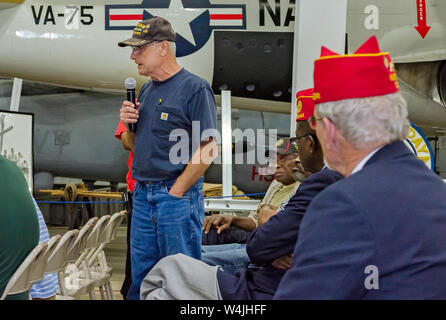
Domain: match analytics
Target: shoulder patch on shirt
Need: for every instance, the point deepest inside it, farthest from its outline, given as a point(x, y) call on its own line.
point(164, 116)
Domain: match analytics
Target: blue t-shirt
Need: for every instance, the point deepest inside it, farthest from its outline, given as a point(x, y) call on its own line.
point(165, 106)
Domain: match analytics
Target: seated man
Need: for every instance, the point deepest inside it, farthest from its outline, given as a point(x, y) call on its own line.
point(222, 229)
point(181, 277)
point(380, 232)
point(232, 257)
point(19, 227)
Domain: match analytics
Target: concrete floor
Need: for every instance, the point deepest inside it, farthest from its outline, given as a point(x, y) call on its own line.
point(115, 253)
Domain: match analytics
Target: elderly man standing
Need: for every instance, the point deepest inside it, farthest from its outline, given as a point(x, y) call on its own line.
point(168, 208)
point(380, 232)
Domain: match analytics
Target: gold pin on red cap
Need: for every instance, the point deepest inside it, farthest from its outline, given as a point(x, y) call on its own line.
point(305, 104)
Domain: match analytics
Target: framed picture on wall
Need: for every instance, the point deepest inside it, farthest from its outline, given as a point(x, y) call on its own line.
point(16, 141)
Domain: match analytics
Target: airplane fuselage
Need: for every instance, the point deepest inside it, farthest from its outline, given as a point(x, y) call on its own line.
point(76, 45)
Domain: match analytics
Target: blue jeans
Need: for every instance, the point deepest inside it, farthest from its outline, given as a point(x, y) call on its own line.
point(163, 225)
point(231, 257)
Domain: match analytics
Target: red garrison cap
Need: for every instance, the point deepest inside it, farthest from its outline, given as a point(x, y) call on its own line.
point(366, 73)
point(305, 104)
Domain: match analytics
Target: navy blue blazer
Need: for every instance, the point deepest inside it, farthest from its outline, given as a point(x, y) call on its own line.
point(272, 240)
point(391, 215)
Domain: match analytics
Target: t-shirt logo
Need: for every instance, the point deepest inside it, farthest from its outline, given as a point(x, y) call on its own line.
point(164, 116)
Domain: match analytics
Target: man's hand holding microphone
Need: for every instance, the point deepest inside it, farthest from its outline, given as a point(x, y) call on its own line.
point(129, 112)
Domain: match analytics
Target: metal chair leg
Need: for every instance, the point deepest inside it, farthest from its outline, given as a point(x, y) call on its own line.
point(110, 290)
point(92, 294)
point(103, 295)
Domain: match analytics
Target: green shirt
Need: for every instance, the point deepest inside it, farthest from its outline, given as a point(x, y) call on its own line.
point(19, 226)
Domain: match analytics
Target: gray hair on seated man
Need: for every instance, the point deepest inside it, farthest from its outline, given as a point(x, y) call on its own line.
point(351, 129)
point(367, 123)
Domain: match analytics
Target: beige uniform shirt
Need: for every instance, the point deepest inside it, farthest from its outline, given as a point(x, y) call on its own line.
point(276, 195)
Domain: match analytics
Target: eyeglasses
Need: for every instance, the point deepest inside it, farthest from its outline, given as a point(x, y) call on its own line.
point(138, 50)
point(312, 122)
point(311, 135)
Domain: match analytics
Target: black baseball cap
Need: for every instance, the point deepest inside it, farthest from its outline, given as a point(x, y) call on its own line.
point(150, 30)
point(287, 146)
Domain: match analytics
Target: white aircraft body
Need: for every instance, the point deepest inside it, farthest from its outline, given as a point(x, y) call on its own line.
point(75, 45)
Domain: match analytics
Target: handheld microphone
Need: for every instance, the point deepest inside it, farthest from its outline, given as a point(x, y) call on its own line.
point(130, 85)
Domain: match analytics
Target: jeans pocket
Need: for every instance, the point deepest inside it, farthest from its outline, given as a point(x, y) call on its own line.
point(186, 195)
point(135, 190)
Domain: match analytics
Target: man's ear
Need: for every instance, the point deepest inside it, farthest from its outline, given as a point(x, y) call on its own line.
point(311, 143)
point(331, 133)
point(163, 48)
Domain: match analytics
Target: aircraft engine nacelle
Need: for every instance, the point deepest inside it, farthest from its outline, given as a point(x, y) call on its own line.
point(423, 85)
point(441, 82)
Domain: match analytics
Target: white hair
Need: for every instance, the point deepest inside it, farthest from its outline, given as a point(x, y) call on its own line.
point(172, 48)
point(368, 122)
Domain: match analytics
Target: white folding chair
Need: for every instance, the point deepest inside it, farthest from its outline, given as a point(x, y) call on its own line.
point(97, 236)
point(91, 270)
point(20, 280)
point(85, 243)
point(57, 259)
point(98, 256)
point(118, 217)
point(39, 265)
point(76, 287)
point(109, 233)
point(79, 244)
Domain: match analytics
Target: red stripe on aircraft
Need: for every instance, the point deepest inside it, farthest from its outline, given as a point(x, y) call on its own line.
point(126, 17)
point(226, 16)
